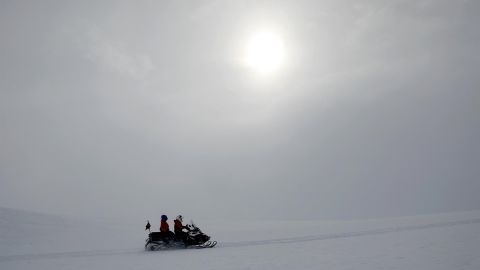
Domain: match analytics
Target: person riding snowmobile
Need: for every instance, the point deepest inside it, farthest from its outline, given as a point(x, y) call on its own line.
point(178, 229)
point(165, 229)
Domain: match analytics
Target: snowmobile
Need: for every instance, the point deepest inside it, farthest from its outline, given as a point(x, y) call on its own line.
point(195, 238)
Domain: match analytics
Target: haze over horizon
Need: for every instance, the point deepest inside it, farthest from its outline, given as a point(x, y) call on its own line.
point(137, 108)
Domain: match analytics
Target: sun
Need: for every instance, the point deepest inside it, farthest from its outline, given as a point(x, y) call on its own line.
point(264, 52)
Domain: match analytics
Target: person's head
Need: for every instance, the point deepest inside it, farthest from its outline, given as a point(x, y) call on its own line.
point(180, 218)
point(164, 218)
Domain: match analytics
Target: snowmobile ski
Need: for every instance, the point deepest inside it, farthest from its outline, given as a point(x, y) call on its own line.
point(208, 244)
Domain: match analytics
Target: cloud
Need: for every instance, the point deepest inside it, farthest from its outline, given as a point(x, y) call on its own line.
point(115, 56)
point(376, 115)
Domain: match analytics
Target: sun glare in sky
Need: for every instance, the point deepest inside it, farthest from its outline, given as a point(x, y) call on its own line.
point(264, 52)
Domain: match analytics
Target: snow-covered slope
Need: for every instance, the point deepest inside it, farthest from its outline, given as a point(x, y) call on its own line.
point(446, 241)
point(23, 232)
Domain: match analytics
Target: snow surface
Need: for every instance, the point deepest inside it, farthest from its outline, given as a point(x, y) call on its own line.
point(445, 241)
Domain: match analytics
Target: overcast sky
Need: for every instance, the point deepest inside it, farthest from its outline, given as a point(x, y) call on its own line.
point(139, 108)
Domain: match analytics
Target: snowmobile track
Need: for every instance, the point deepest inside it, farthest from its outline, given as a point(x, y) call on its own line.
point(120, 252)
point(348, 234)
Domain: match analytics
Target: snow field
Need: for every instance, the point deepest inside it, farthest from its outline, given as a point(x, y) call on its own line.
point(447, 241)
